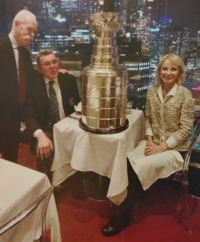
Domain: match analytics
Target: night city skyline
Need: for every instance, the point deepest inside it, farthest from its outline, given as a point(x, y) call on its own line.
point(184, 13)
point(150, 29)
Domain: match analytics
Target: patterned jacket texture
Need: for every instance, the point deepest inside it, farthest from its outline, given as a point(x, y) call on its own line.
point(170, 121)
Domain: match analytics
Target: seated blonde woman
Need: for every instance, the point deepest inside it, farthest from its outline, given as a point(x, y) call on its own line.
point(169, 121)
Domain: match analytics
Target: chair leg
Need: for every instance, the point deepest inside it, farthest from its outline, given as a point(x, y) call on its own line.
point(184, 213)
point(187, 213)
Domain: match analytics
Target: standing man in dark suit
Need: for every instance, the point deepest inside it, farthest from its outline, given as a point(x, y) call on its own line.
point(52, 99)
point(16, 75)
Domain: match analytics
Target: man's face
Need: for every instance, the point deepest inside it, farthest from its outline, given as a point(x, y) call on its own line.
point(49, 66)
point(24, 31)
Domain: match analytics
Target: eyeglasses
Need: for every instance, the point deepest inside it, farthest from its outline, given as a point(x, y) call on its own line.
point(48, 64)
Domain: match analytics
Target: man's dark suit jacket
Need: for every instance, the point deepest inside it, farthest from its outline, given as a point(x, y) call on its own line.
point(37, 108)
point(9, 106)
point(11, 112)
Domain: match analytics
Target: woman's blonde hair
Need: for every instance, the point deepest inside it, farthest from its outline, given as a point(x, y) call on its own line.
point(176, 60)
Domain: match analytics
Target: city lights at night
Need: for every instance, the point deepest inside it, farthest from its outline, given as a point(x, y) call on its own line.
point(149, 30)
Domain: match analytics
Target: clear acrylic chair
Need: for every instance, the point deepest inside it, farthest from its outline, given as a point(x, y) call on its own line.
point(195, 138)
point(184, 176)
point(30, 224)
point(191, 173)
point(187, 203)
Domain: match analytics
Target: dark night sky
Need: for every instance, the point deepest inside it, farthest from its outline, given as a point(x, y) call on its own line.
point(185, 13)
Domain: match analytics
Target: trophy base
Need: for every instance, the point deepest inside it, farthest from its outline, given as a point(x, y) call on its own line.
point(104, 131)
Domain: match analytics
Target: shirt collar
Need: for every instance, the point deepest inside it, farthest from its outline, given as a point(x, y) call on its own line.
point(170, 93)
point(13, 41)
point(47, 80)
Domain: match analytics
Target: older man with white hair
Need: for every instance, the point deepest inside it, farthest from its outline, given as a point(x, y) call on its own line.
point(16, 80)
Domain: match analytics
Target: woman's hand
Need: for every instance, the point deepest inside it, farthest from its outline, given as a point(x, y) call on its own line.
point(151, 148)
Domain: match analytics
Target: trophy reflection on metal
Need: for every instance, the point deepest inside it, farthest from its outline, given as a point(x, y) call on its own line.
point(104, 82)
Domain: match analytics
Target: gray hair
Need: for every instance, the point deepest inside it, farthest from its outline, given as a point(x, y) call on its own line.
point(43, 53)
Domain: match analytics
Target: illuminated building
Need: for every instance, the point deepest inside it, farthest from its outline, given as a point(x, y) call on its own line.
point(53, 42)
point(138, 71)
point(185, 42)
point(81, 35)
point(69, 5)
point(121, 6)
point(130, 56)
point(142, 31)
point(170, 38)
point(154, 49)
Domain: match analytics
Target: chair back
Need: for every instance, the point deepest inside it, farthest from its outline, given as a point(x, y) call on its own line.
point(193, 141)
point(192, 160)
point(182, 175)
point(30, 224)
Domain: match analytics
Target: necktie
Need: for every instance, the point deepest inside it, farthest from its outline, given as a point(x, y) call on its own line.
point(21, 77)
point(54, 111)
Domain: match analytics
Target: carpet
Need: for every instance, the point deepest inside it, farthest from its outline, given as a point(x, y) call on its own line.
point(160, 217)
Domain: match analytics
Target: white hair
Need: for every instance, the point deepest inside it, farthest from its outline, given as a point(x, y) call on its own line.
point(22, 15)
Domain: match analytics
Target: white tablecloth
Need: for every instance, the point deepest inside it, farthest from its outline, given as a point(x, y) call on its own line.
point(105, 154)
point(19, 187)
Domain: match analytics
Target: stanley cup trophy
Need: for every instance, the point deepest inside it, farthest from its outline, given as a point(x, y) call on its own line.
point(104, 82)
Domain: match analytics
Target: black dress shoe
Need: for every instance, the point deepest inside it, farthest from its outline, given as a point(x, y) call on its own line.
point(115, 225)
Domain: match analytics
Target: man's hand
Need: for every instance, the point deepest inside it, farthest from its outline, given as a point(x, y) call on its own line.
point(44, 147)
point(151, 148)
point(65, 71)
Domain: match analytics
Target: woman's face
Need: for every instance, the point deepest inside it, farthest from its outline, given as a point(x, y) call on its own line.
point(169, 72)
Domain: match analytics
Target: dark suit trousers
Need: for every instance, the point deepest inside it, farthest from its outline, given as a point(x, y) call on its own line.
point(9, 145)
point(10, 138)
point(44, 165)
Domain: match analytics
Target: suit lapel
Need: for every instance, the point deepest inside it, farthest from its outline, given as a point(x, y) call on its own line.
point(63, 87)
point(41, 91)
point(10, 55)
point(10, 61)
point(61, 84)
